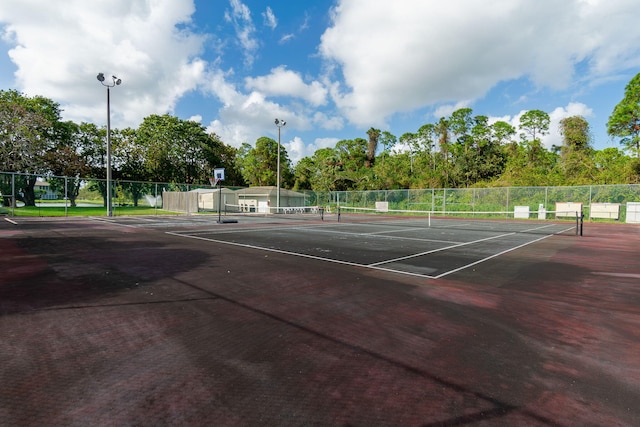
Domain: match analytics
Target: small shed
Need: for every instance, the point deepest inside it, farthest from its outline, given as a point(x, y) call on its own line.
point(208, 198)
point(263, 199)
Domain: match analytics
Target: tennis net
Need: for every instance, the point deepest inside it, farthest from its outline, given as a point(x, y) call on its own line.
point(283, 213)
point(538, 222)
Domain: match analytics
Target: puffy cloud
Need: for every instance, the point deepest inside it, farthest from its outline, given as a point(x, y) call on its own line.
point(60, 58)
point(330, 123)
point(446, 110)
point(297, 149)
point(283, 82)
point(415, 54)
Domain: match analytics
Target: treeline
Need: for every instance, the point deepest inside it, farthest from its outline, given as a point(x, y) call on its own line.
point(34, 140)
point(464, 150)
point(461, 150)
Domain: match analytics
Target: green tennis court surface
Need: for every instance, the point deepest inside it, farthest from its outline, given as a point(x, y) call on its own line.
point(272, 321)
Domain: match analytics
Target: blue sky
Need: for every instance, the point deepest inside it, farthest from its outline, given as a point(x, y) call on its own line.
point(330, 68)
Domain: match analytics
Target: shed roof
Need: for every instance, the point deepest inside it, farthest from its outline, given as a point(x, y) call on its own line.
point(267, 191)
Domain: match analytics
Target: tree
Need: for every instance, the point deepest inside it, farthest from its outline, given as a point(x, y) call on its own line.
point(28, 127)
point(327, 166)
point(353, 155)
point(374, 135)
point(575, 132)
point(175, 150)
point(612, 166)
point(409, 141)
point(388, 140)
point(502, 132)
point(259, 165)
point(219, 154)
point(460, 123)
point(575, 154)
point(535, 123)
point(624, 121)
point(463, 149)
point(443, 131)
point(68, 158)
point(304, 172)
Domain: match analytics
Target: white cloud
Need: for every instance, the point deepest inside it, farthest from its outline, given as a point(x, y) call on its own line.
point(58, 55)
point(283, 82)
point(325, 142)
point(325, 122)
point(297, 149)
point(284, 39)
point(446, 110)
point(246, 117)
point(240, 17)
point(270, 19)
point(425, 53)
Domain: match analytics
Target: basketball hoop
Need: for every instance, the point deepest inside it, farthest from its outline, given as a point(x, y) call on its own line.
point(214, 181)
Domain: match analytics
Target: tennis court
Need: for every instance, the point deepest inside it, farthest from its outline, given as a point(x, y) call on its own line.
point(300, 320)
point(411, 245)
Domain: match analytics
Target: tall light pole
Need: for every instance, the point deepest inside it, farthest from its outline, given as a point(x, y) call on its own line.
point(116, 82)
point(279, 123)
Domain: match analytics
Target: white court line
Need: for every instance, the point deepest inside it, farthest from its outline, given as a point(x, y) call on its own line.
point(335, 261)
point(315, 228)
point(112, 222)
point(250, 229)
point(377, 266)
point(11, 221)
point(439, 250)
point(446, 273)
point(280, 251)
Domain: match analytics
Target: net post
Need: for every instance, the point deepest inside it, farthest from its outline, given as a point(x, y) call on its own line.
point(338, 213)
point(581, 223)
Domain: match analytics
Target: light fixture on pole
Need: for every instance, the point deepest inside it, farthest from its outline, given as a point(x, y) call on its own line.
point(279, 123)
point(116, 82)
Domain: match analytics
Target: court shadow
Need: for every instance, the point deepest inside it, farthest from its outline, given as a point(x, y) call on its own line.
point(44, 272)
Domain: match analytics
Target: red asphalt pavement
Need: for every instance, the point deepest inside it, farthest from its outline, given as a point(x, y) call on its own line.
point(106, 325)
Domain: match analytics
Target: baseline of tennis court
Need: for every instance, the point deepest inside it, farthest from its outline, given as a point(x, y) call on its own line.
point(408, 246)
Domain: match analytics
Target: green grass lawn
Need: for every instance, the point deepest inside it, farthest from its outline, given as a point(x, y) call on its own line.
point(98, 210)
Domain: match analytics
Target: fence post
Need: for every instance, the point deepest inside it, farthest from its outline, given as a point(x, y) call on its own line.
point(66, 195)
point(13, 194)
point(444, 202)
point(546, 196)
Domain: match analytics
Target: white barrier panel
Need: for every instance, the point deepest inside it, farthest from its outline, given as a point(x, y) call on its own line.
point(568, 209)
point(633, 212)
point(521, 212)
point(382, 206)
point(605, 210)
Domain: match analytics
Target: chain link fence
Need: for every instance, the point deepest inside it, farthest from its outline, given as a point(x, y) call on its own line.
point(42, 191)
point(496, 199)
point(74, 191)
